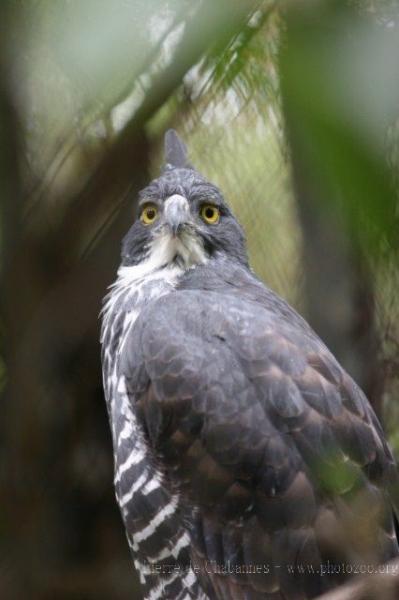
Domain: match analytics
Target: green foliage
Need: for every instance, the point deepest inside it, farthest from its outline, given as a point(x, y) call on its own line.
point(336, 476)
point(341, 89)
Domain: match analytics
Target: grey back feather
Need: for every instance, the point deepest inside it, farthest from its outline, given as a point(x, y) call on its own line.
point(175, 151)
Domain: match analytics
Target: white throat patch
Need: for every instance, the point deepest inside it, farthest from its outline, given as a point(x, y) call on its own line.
point(186, 250)
point(168, 257)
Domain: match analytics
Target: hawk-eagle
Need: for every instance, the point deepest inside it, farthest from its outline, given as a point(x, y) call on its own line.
point(248, 464)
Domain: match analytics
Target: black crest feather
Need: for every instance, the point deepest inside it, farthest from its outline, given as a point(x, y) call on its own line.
point(175, 151)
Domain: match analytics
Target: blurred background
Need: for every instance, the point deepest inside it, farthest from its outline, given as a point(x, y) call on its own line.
point(291, 108)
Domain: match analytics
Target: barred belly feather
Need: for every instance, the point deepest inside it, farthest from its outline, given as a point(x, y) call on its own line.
point(152, 515)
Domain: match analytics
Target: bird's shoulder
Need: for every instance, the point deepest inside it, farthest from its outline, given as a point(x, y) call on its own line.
point(228, 294)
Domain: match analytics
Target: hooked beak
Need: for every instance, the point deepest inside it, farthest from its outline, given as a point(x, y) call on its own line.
point(176, 213)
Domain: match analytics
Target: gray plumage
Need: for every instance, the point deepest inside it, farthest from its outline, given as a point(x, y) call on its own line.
point(175, 151)
point(246, 459)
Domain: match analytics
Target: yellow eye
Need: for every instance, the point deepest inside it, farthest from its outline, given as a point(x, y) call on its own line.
point(210, 213)
point(149, 214)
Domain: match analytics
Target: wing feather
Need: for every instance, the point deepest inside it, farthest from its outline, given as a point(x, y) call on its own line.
point(265, 436)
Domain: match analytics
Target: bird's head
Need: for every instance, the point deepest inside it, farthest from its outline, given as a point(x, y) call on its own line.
point(182, 218)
